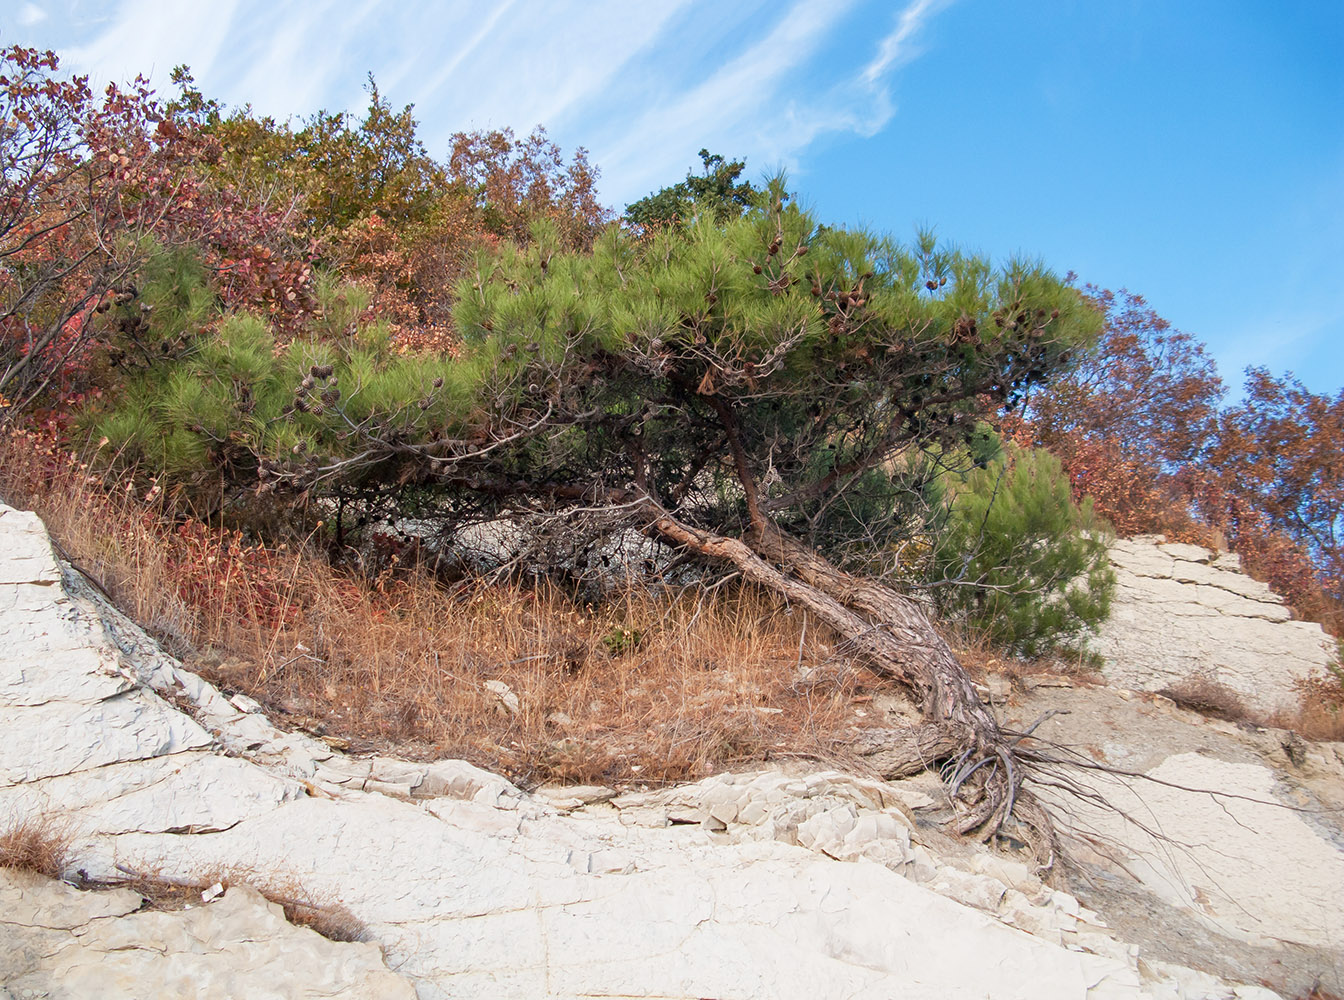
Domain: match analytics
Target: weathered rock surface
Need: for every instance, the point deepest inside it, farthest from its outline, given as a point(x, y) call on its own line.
point(1197, 857)
point(1228, 850)
point(745, 885)
point(1183, 612)
point(64, 944)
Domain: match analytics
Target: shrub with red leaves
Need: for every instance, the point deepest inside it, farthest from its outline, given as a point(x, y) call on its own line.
point(1138, 427)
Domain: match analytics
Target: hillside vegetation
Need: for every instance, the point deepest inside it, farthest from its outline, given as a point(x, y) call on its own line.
point(266, 380)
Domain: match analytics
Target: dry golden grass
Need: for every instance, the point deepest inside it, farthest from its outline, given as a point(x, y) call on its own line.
point(35, 844)
point(648, 687)
point(1318, 722)
point(1208, 697)
point(1321, 716)
point(302, 908)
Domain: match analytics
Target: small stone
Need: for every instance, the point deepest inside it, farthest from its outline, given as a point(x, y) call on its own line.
point(725, 812)
point(575, 796)
point(752, 813)
point(505, 696)
point(980, 891)
point(913, 798)
point(1000, 688)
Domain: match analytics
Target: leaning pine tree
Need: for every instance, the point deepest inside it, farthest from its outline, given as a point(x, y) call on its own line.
point(731, 388)
point(720, 387)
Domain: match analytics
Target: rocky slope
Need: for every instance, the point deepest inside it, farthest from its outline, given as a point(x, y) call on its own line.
point(771, 883)
point(1182, 612)
point(61, 942)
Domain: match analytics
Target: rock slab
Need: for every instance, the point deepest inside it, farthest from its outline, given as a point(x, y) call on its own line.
point(1181, 612)
point(64, 944)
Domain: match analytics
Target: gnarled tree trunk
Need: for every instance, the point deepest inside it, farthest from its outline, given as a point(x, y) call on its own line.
point(890, 634)
point(923, 660)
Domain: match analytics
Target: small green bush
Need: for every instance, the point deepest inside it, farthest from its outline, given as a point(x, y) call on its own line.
point(620, 641)
point(1018, 561)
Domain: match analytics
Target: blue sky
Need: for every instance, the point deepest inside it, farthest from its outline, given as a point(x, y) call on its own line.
point(1190, 150)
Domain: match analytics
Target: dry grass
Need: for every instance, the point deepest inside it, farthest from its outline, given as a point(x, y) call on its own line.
point(648, 687)
point(1319, 993)
point(981, 659)
point(1321, 715)
point(1317, 722)
point(332, 921)
point(42, 845)
point(1208, 697)
point(303, 909)
point(35, 844)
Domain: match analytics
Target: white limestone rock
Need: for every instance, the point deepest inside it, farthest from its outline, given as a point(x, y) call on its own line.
point(1142, 557)
point(568, 797)
point(467, 913)
point(1183, 552)
point(197, 793)
point(1233, 855)
point(65, 944)
point(728, 888)
point(28, 559)
point(61, 737)
point(1180, 613)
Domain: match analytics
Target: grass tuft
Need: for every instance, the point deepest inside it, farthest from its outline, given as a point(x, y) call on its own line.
point(1208, 697)
point(35, 844)
point(329, 918)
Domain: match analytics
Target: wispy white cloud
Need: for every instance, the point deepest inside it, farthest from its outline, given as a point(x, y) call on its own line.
point(299, 56)
point(540, 64)
point(466, 49)
point(643, 85)
point(769, 102)
point(898, 47)
point(149, 37)
point(1281, 340)
point(734, 102)
point(31, 14)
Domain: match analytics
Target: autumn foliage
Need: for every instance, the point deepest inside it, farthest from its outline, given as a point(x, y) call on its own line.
point(1141, 428)
point(92, 185)
point(1281, 452)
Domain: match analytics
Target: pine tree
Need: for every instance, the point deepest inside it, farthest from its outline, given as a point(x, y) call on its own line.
point(716, 189)
point(1019, 561)
point(722, 387)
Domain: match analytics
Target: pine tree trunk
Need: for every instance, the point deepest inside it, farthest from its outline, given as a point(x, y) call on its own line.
point(922, 659)
point(892, 636)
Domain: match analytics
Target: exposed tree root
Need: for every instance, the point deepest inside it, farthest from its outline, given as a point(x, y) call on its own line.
point(982, 765)
point(902, 753)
